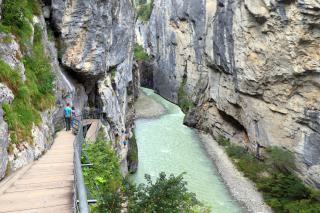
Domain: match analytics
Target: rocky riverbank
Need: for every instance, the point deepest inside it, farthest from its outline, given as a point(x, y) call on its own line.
point(242, 189)
point(146, 107)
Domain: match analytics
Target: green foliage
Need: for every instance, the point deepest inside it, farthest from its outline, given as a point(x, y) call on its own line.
point(133, 151)
point(302, 206)
point(113, 73)
point(183, 99)
point(280, 159)
point(16, 17)
point(104, 179)
point(139, 2)
point(144, 10)
point(222, 141)
point(105, 183)
point(282, 190)
point(31, 96)
point(9, 76)
point(246, 162)
point(139, 53)
point(166, 194)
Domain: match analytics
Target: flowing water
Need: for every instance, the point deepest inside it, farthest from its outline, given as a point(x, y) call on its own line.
point(165, 144)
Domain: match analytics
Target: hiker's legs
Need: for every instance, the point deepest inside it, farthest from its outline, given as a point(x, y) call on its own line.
point(68, 120)
point(69, 123)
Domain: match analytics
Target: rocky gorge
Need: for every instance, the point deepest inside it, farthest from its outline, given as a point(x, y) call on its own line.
point(247, 70)
point(89, 47)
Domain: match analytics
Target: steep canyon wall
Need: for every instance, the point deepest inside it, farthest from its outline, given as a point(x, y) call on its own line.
point(250, 69)
point(89, 45)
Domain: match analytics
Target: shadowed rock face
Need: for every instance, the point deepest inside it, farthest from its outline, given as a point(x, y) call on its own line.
point(255, 61)
point(97, 41)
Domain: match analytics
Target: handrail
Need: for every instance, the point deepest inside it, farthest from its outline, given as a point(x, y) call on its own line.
point(80, 188)
point(81, 203)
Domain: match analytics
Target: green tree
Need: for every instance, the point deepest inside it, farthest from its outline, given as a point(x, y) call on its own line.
point(166, 194)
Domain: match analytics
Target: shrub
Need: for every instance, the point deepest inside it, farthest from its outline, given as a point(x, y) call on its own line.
point(16, 15)
point(222, 141)
point(133, 153)
point(280, 159)
point(282, 190)
point(246, 162)
point(183, 99)
point(139, 53)
point(103, 179)
point(10, 76)
point(105, 183)
point(144, 10)
point(166, 194)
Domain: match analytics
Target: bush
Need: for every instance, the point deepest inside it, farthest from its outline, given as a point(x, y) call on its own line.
point(103, 179)
point(282, 190)
point(133, 154)
point(16, 15)
point(139, 53)
point(280, 159)
point(10, 76)
point(183, 99)
point(222, 141)
point(144, 11)
point(105, 183)
point(166, 194)
point(246, 162)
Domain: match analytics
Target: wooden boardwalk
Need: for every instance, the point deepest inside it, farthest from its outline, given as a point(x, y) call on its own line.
point(44, 186)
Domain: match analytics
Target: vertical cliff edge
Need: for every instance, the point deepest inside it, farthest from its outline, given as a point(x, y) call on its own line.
point(247, 70)
point(87, 46)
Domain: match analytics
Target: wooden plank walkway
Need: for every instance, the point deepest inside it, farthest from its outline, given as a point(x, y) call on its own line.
point(95, 125)
point(44, 186)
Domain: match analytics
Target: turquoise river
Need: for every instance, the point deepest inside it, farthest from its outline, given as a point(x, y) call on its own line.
point(165, 144)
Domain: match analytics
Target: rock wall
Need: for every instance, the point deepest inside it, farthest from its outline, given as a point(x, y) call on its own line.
point(42, 135)
point(251, 68)
point(96, 40)
point(91, 57)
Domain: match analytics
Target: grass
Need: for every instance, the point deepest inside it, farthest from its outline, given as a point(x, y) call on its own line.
point(144, 10)
point(31, 96)
point(10, 76)
point(16, 17)
point(139, 53)
point(183, 99)
point(282, 190)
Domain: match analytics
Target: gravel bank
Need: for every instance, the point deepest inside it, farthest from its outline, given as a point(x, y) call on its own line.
point(146, 107)
point(242, 189)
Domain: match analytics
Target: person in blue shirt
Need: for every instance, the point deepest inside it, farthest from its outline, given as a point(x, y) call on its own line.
point(67, 116)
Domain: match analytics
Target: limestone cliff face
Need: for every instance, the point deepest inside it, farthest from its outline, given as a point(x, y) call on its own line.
point(91, 57)
point(252, 69)
point(96, 40)
point(42, 135)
